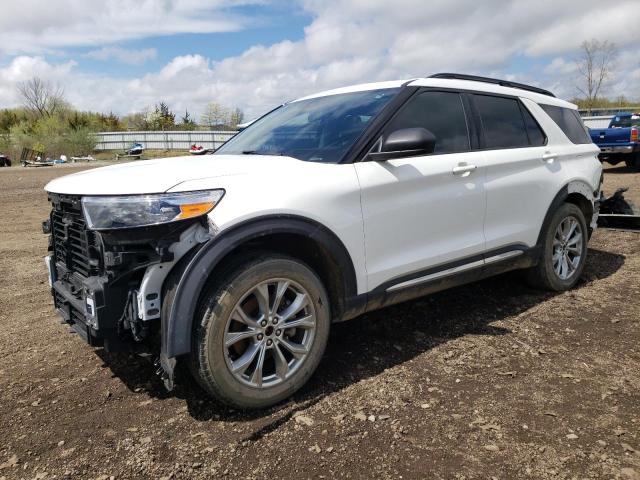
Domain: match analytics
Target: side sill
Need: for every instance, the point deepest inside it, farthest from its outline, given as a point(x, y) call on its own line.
point(495, 263)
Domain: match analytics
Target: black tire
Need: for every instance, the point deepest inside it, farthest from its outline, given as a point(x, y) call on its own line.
point(634, 162)
point(544, 275)
point(211, 359)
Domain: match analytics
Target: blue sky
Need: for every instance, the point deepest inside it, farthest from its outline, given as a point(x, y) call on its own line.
point(267, 24)
point(126, 55)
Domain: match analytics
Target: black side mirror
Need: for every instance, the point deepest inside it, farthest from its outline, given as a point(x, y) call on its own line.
point(406, 142)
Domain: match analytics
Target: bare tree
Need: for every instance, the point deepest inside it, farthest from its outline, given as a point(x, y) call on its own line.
point(42, 97)
point(595, 65)
point(215, 115)
point(236, 118)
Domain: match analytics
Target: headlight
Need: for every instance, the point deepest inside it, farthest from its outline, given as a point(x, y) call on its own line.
point(107, 213)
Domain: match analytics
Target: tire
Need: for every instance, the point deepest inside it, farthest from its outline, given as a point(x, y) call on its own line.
point(634, 162)
point(550, 274)
point(233, 311)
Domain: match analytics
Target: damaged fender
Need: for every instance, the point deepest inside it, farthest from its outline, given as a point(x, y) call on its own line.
point(177, 322)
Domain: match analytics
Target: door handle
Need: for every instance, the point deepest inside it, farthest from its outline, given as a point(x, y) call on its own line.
point(549, 157)
point(463, 169)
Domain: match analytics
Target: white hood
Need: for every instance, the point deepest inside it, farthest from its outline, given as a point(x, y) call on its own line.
point(158, 176)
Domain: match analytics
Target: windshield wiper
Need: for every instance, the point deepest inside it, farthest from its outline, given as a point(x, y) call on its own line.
point(261, 152)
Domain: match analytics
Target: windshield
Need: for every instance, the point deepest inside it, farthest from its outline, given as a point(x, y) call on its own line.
point(625, 122)
point(319, 129)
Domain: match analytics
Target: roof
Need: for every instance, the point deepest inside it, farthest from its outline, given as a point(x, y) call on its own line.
point(362, 87)
point(495, 81)
point(472, 85)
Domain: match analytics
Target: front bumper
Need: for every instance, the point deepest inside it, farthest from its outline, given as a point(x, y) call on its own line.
point(89, 305)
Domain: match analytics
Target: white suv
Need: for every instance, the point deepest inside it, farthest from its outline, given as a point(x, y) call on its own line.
point(325, 208)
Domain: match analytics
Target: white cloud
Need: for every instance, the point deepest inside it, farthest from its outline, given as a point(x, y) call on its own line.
point(356, 41)
point(560, 65)
point(37, 26)
point(129, 56)
point(23, 68)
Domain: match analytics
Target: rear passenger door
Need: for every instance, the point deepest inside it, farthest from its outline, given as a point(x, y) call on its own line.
point(519, 171)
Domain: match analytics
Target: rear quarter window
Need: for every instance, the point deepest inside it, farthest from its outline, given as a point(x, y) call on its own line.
point(569, 122)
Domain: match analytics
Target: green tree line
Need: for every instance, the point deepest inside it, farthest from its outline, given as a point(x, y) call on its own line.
point(48, 123)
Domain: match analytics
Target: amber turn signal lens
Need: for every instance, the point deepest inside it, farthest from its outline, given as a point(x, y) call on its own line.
point(191, 210)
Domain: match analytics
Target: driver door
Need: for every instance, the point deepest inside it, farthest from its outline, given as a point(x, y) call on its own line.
point(424, 214)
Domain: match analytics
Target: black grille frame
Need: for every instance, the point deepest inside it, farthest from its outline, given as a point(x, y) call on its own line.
point(74, 245)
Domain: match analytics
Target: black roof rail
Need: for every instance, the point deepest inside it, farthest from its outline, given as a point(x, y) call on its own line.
point(495, 81)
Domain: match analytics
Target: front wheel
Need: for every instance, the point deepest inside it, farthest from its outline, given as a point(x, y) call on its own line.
point(564, 251)
point(260, 332)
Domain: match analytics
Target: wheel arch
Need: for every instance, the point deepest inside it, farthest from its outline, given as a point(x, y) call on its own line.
point(303, 238)
point(576, 192)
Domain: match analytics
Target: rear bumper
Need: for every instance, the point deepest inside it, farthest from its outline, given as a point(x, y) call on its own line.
point(617, 149)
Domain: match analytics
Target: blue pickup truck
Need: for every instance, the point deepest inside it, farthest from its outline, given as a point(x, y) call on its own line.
point(619, 142)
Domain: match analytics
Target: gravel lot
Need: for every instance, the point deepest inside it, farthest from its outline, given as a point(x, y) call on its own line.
point(490, 380)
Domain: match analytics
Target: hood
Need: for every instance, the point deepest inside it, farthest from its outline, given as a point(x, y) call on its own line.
point(158, 176)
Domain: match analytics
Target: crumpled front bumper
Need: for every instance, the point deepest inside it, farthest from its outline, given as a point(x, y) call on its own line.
point(88, 305)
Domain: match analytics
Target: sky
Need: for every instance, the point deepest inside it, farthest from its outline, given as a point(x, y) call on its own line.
point(126, 55)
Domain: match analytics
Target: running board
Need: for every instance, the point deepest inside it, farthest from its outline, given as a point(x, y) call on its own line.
point(454, 270)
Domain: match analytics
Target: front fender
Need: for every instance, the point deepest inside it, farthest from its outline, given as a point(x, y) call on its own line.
point(178, 326)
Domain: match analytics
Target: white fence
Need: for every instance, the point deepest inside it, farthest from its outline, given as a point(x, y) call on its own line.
point(181, 140)
point(609, 110)
point(597, 122)
point(161, 140)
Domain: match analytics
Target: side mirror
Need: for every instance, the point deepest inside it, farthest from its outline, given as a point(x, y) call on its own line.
point(406, 142)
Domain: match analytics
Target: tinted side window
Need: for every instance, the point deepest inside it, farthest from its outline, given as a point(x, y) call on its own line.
point(537, 137)
point(570, 122)
point(502, 122)
point(442, 113)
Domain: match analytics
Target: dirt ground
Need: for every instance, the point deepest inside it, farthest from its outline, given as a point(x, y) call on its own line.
point(490, 380)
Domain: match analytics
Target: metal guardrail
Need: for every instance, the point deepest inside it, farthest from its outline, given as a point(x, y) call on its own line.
point(174, 140)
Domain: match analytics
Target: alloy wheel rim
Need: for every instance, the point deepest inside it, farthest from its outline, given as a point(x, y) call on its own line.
point(269, 333)
point(567, 248)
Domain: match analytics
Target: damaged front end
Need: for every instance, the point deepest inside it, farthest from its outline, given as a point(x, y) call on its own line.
point(108, 284)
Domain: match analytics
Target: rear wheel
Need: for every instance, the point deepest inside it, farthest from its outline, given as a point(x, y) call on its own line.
point(634, 162)
point(261, 332)
point(564, 251)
